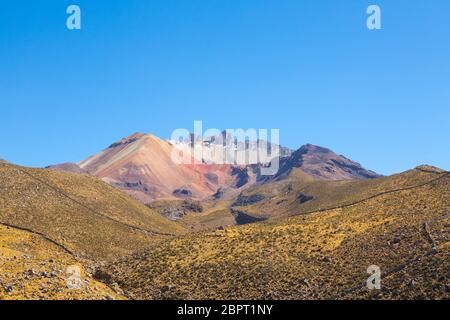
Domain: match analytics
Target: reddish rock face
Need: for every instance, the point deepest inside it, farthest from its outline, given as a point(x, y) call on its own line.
point(142, 165)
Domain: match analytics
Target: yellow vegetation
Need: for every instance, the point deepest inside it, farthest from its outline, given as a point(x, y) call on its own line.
point(33, 268)
point(85, 215)
point(323, 255)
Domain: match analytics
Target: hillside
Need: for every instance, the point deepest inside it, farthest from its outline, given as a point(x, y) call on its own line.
point(295, 195)
point(82, 214)
point(34, 268)
point(321, 255)
point(303, 194)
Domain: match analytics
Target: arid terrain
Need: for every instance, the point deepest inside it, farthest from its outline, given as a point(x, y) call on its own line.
point(310, 232)
point(50, 221)
point(319, 255)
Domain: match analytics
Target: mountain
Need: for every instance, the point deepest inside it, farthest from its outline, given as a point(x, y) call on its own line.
point(321, 164)
point(324, 254)
point(142, 165)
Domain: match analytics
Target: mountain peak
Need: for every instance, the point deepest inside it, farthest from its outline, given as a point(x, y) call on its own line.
point(428, 168)
point(310, 148)
point(323, 164)
point(127, 140)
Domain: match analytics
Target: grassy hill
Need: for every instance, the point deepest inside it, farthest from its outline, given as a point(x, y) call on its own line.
point(209, 220)
point(301, 194)
point(87, 217)
point(34, 268)
point(317, 242)
point(321, 255)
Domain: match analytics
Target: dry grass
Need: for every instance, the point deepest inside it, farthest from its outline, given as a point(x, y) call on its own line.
point(322, 255)
point(33, 268)
point(284, 198)
point(58, 220)
point(208, 220)
point(88, 217)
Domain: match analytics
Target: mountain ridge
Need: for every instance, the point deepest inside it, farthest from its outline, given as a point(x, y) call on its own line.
point(322, 164)
point(141, 165)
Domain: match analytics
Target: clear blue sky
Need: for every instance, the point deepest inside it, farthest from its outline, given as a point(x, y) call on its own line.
point(310, 68)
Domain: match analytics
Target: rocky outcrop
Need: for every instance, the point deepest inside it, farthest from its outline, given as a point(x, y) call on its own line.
point(248, 200)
